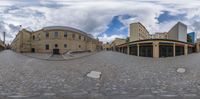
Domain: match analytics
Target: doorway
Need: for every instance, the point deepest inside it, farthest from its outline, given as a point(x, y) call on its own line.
point(56, 51)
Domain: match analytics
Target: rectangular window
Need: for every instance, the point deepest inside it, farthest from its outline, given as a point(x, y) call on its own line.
point(73, 36)
point(33, 37)
point(47, 34)
point(47, 47)
point(55, 34)
point(65, 45)
point(65, 34)
point(79, 37)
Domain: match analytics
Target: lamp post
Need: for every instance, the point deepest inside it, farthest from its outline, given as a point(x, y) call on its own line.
point(4, 37)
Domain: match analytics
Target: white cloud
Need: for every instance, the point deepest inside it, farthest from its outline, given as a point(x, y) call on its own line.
point(105, 38)
point(94, 16)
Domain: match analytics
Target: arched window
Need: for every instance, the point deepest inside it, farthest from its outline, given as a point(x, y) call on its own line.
point(56, 45)
point(33, 37)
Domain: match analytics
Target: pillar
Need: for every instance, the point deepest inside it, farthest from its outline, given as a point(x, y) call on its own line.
point(197, 47)
point(138, 50)
point(174, 49)
point(128, 49)
point(185, 49)
point(155, 49)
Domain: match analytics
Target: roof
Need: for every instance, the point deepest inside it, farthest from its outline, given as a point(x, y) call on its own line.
point(66, 28)
point(156, 40)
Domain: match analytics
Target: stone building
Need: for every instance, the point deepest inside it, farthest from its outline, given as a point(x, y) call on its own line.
point(138, 32)
point(174, 44)
point(159, 35)
point(116, 42)
point(54, 39)
point(2, 45)
point(106, 46)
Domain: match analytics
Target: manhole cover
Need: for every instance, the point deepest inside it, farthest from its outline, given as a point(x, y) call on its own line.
point(181, 70)
point(94, 74)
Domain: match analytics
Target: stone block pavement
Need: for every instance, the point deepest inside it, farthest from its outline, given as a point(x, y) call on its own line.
point(123, 77)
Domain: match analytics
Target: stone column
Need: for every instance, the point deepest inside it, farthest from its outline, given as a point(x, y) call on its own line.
point(155, 49)
point(128, 49)
point(138, 50)
point(174, 49)
point(185, 49)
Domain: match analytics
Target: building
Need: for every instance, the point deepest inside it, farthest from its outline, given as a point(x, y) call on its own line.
point(116, 42)
point(138, 32)
point(54, 39)
point(2, 45)
point(193, 37)
point(178, 32)
point(165, 44)
point(106, 46)
point(159, 35)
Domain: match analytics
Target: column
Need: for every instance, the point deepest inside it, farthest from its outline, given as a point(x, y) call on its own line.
point(138, 50)
point(128, 49)
point(185, 49)
point(155, 49)
point(174, 49)
point(197, 47)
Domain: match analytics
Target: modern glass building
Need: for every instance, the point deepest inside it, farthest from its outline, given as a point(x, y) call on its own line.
point(193, 36)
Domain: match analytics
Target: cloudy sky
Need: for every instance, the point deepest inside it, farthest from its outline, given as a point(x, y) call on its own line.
point(105, 19)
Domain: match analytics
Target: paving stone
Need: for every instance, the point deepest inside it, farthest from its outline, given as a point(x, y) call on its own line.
point(124, 77)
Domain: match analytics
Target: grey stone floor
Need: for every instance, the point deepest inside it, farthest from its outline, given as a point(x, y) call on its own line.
point(123, 77)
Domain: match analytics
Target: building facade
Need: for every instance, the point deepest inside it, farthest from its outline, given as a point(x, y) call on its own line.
point(173, 43)
point(107, 46)
point(159, 35)
point(178, 32)
point(138, 32)
point(54, 39)
point(192, 36)
point(2, 45)
point(116, 42)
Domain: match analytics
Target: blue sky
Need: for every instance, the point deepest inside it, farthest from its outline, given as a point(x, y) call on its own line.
point(105, 22)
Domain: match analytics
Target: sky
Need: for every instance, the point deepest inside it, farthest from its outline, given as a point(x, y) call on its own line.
point(104, 19)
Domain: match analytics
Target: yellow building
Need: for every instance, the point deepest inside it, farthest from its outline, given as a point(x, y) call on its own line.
point(2, 45)
point(159, 35)
point(116, 42)
point(106, 46)
point(161, 45)
point(138, 32)
point(54, 39)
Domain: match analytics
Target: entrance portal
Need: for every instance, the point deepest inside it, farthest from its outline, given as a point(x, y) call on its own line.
point(33, 50)
point(56, 51)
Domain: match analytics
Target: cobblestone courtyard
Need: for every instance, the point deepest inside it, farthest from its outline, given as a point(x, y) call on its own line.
point(123, 77)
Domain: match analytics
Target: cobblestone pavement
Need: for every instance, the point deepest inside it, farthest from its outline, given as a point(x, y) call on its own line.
point(123, 77)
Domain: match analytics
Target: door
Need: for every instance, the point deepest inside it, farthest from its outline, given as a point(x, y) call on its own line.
point(33, 50)
point(56, 51)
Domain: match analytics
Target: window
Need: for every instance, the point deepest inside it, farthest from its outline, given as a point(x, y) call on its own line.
point(33, 37)
point(56, 45)
point(65, 34)
point(79, 46)
point(73, 36)
point(84, 38)
point(47, 34)
point(79, 37)
point(65, 45)
point(55, 34)
point(47, 47)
